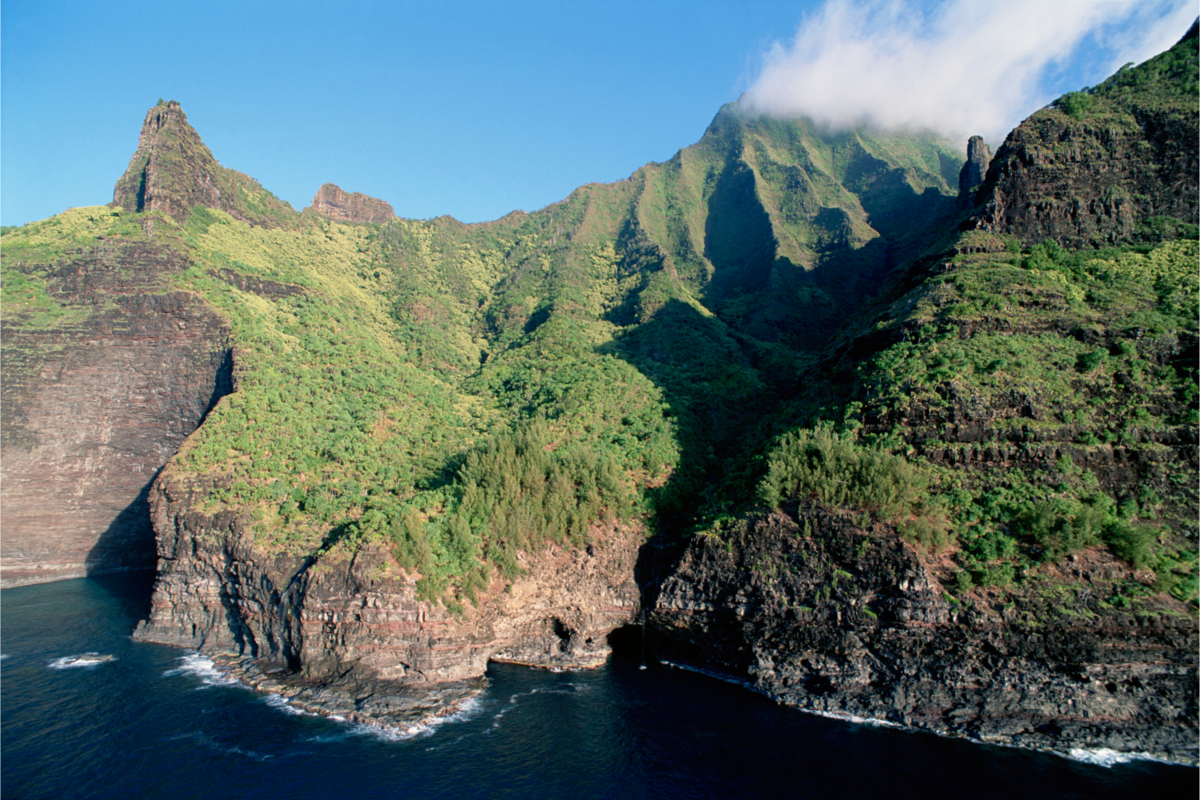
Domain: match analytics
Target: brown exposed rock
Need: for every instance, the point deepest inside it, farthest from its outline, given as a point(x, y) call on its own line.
point(92, 411)
point(321, 618)
point(335, 204)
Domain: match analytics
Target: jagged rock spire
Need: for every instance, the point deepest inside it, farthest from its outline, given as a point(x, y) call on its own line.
point(979, 155)
point(173, 171)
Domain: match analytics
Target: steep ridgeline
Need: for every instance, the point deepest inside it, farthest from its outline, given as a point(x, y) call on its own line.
point(992, 530)
point(1104, 165)
point(449, 437)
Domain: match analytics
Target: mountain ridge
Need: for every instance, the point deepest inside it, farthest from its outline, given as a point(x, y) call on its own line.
point(435, 418)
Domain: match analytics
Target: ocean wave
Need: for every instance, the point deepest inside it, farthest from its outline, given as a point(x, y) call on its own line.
point(202, 667)
point(281, 703)
point(857, 720)
point(81, 660)
point(466, 710)
point(220, 747)
point(514, 699)
point(745, 684)
point(1103, 757)
point(381, 731)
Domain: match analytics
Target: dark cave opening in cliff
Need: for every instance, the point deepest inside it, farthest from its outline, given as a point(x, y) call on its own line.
point(626, 641)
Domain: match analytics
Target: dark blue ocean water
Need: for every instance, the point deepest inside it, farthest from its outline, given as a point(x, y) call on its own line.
point(157, 723)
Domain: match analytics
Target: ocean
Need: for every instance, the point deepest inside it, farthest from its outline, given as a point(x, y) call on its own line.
point(157, 722)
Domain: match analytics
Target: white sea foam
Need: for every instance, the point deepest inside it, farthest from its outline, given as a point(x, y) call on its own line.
point(857, 720)
point(398, 733)
point(202, 667)
point(86, 660)
point(1103, 757)
point(281, 703)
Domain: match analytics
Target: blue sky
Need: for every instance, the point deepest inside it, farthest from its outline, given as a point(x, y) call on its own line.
point(475, 109)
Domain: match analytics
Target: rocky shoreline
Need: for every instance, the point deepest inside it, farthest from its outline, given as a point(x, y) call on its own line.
point(391, 707)
point(852, 623)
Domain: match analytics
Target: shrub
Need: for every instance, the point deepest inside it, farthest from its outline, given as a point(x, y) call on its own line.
point(1059, 530)
point(1074, 104)
point(1131, 543)
point(837, 471)
point(931, 531)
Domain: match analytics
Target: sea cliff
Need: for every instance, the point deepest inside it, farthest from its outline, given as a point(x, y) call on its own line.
point(809, 417)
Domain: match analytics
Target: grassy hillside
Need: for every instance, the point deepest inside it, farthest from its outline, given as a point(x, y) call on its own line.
point(1027, 404)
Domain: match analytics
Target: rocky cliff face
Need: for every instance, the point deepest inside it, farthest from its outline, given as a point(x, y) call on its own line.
point(972, 175)
point(340, 619)
point(332, 202)
point(818, 607)
point(830, 610)
point(173, 171)
point(1091, 169)
point(95, 405)
point(824, 615)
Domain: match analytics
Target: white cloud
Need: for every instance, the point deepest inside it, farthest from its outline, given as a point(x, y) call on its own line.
point(956, 66)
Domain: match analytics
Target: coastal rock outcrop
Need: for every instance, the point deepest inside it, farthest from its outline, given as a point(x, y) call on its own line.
point(822, 614)
point(339, 617)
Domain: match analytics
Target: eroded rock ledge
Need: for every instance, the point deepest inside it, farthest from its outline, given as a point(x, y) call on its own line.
point(334, 203)
point(354, 625)
point(823, 615)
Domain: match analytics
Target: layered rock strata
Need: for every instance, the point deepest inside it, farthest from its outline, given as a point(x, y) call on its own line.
point(821, 614)
point(331, 619)
point(334, 203)
point(94, 407)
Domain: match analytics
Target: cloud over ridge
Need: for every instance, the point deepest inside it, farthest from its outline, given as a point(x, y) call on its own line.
point(959, 67)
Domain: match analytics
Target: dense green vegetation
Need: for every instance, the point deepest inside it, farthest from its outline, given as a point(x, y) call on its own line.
point(745, 325)
point(1052, 358)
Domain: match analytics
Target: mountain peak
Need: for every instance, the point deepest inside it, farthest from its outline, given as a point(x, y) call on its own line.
point(173, 171)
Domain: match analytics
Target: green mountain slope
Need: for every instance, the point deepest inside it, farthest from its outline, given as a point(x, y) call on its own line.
point(636, 331)
point(1045, 395)
point(465, 392)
